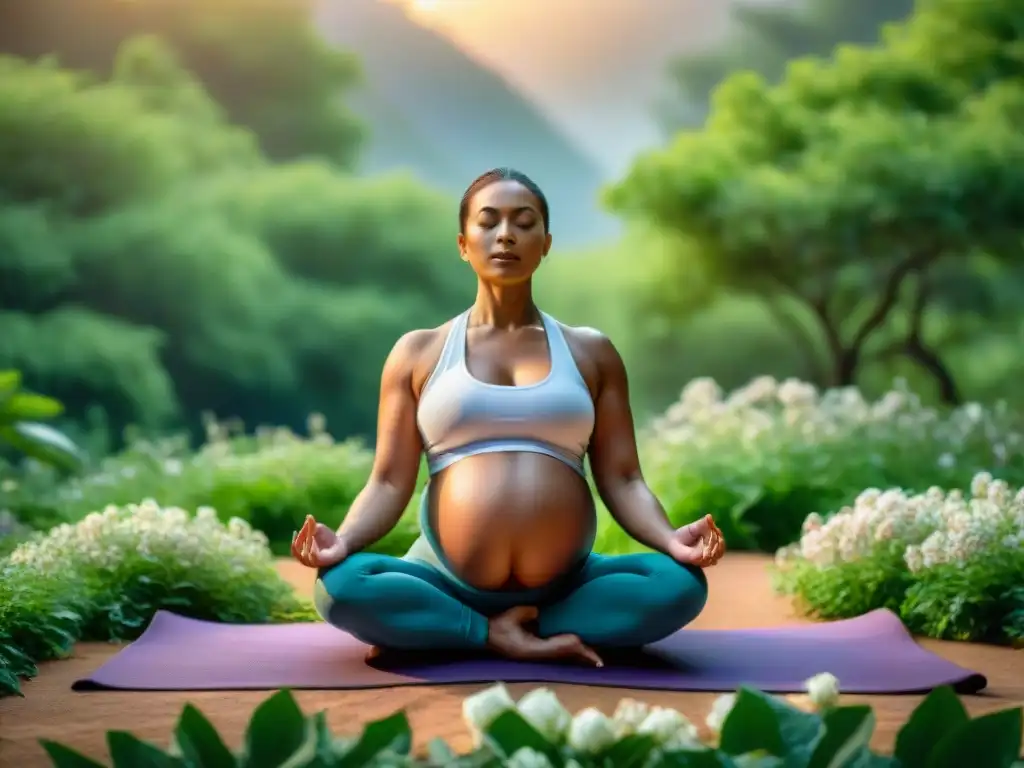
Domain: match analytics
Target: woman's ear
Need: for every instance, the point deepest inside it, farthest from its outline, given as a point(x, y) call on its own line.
point(461, 241)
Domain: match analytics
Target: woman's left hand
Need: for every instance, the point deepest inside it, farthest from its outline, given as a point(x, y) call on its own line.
point(700, 543)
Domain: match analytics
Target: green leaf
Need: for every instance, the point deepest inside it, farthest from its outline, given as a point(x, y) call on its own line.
point(989, 741)
point(26, 407)
point(325, 742)
point(752, 724)
point(276, 731)
point(10, 684)
point(847, 733)
point(439, 753)
point(941, 712)
point(199, 742)
point(759, 760)
point(629, 752)
point(65, 757)
point(390, 735)
point(509, 732)
point(43, 443)
point(800, 730)
point(703, 758)
point(10, 382)
point(129, 751)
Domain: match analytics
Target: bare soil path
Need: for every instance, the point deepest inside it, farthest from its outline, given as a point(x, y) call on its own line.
point(741, 597)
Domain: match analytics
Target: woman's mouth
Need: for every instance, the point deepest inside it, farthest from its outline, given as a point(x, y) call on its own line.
point(504, 257)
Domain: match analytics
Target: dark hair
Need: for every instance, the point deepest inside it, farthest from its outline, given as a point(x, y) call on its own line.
point(503, 174)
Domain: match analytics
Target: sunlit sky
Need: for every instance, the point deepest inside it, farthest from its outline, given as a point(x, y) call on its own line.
point(595, 66)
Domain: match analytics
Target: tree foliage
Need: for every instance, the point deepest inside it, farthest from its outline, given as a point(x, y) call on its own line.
point(155, 262)
point(764, 38)
point(855, 189)
point(261, 60)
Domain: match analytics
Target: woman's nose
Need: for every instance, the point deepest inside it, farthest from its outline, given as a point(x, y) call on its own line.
point(505, 233)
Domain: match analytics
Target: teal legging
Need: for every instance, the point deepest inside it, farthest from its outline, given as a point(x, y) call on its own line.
point(622, 601)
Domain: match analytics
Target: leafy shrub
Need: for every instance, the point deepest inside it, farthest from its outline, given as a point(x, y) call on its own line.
point(747, 729)
point(21, 427)
point(104, 578)
point(272, 480)
point(769, 454)
point(952, 567)
point(40, 619)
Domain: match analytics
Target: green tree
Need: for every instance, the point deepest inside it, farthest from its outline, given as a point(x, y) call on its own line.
point(850, 194)
point(262, 60)
point(84, 147)
point(153, 263)
point(764, 39)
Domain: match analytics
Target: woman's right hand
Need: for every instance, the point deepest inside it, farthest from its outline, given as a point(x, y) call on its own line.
point(317, 546)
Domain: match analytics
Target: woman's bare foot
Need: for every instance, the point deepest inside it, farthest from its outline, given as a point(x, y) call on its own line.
point(507, 635)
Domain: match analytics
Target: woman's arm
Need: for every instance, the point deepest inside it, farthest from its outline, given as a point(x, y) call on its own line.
point(379, 506)
point(613, 455)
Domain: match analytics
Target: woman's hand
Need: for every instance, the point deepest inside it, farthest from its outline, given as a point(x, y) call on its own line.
point(317, 546)
point(700, 543)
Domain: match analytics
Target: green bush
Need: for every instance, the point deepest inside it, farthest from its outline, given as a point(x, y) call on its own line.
point(21, 427)
point(104, 578)
point(756, 730)
point(271, 480)
point(952, 567)
point(768, 455)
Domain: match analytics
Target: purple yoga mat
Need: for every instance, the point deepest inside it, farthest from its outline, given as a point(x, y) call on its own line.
point(873, 653)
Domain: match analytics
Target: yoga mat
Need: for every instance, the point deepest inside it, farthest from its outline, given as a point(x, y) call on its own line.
point(873, 653)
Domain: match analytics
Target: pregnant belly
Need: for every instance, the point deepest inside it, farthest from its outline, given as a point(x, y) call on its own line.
point(511, 520)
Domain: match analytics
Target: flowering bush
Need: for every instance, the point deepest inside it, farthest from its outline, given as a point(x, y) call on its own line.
point(769, 454)
point(745, 729)
point(951, 566)
point(104, 578)
point(272, 479)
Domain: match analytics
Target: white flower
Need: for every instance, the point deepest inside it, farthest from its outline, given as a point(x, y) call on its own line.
point(525, 757)
point(720, 710)
point(591, 731)
point(542, 709)
point(823, 690)
point(628, 715)
point(483, 708)
point(980, 484)
point(669, 728)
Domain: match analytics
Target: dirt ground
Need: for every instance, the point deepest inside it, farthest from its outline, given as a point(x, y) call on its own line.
point(741, 597)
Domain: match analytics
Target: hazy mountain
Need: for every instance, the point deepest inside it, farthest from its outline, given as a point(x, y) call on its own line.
point(436, 111)
point(597, 67)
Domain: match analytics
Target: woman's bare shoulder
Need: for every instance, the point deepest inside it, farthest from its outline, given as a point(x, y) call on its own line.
point(594, 353)
point(418, 351)
point(589, 342)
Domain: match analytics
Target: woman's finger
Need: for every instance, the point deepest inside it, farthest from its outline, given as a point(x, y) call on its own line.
point(307, 544)
point(570, 646)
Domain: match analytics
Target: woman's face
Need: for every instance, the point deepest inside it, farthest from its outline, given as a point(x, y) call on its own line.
point(505, 239)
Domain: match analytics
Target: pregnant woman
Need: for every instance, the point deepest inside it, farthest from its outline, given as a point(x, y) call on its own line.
point(506, 402)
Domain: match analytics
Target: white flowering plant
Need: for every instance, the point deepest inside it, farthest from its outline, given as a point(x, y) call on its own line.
point(951, 564)
point(765, 456)
point(104, 578)
point(271, 478)
point(748, 729)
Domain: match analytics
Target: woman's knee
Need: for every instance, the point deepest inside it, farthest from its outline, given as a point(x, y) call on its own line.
point(340, 591)
point(683, 589)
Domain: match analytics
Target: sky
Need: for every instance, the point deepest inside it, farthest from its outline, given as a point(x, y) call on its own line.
point(596, 67)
